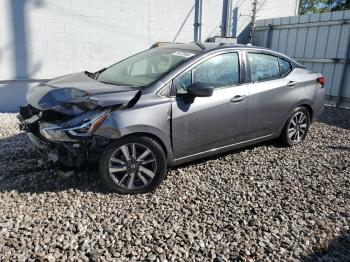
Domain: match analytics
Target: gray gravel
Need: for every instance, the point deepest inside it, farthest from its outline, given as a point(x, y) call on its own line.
point(265, 203)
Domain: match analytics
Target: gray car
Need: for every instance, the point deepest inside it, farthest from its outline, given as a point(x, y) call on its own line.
point(170, 105)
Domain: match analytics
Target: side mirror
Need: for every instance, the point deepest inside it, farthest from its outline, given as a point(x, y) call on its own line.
point(200, 89)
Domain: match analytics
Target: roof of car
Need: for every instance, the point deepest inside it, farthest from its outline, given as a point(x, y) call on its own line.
point(203, 46)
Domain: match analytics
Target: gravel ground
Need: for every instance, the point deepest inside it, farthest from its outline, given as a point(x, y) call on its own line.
point(263, 203)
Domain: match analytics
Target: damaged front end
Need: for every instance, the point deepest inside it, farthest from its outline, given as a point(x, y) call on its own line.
point(62, 122)
point(68, 143)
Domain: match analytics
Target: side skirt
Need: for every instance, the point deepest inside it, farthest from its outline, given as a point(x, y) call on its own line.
point(218, 150)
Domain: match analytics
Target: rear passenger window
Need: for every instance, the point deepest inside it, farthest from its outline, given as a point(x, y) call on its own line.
point(285, 67)
point(263, 67)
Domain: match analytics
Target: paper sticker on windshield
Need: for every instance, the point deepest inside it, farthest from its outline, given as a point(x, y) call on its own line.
point(183, 54)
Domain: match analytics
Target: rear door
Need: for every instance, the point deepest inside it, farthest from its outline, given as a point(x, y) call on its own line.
point(206, 123)
point(273, 90)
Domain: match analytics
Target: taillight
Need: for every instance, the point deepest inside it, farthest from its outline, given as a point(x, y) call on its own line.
point(322, 81)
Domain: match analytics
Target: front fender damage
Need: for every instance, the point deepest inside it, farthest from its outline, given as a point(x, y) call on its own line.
point(73, 154)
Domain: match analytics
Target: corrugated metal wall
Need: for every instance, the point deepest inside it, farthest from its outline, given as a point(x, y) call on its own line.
point(319, 41)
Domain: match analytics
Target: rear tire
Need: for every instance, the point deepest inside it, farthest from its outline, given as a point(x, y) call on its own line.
point(296, 127)
point(133, 165)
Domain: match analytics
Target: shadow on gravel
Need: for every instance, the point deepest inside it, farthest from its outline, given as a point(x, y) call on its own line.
point(337, 250)
point(337, 117)
point(22, 171)
point(340, 147)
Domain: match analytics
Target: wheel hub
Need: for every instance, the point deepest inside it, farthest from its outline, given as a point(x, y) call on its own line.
point(133, 166)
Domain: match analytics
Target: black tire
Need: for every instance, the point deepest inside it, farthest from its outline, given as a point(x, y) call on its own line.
point(158, 168)
point(286, 138)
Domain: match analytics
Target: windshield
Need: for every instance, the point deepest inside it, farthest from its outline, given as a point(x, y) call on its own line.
point(144, 68)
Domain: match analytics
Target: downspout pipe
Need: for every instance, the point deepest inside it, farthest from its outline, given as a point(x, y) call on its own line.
point(343, 72)
point(197, 21)
point(252, 23)
point(234, 19)
point(229, 18)
point(226, 18)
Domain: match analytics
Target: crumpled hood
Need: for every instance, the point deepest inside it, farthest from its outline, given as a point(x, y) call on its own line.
point(80, 91)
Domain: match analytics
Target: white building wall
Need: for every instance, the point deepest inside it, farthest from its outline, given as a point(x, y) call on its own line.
point(64, 36)
point(41, 39)
point(265, 9)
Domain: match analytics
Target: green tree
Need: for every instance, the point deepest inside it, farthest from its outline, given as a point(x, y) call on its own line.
point(337, 5)
point(321, 6)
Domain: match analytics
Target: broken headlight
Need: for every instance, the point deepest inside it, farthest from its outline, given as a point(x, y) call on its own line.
point(81, 126)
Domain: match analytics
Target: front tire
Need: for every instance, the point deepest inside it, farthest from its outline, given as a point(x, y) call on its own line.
point(133, 165)
point(296, 127)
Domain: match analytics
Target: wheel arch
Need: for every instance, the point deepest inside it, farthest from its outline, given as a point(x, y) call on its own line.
point(153, 133)
point(304, 103)
point(310, 109)
point(154, 137)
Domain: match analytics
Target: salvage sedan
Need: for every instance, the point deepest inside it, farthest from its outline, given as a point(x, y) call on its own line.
point(169, 105)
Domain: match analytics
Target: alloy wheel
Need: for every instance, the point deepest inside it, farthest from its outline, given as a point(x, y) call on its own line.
point(297, 127)
point(132, 166)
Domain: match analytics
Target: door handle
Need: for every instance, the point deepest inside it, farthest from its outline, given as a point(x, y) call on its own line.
point(238, 98)
point(292, 83)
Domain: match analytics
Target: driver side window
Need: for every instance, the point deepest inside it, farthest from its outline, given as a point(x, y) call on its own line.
point(219, 71)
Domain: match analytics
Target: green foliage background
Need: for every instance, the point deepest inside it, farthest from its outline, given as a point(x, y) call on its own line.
point(321, 6)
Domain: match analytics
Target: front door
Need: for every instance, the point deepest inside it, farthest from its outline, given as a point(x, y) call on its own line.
point(205, 123)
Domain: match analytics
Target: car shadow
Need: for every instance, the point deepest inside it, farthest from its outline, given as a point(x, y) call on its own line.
point(337, 249)
point(22, 169)
point(337, 117)
point(340, 147)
